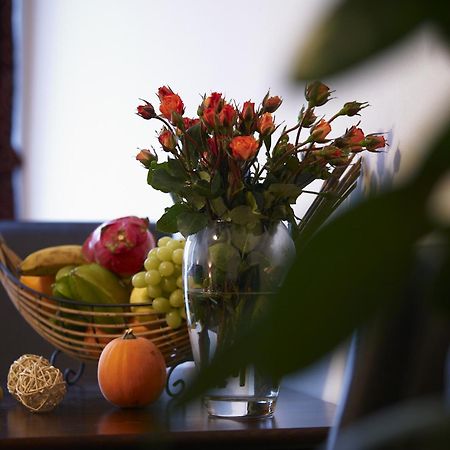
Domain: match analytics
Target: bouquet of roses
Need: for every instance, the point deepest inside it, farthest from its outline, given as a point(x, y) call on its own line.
point(226, 164)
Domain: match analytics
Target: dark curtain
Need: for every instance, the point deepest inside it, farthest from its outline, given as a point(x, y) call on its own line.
point(8, 158)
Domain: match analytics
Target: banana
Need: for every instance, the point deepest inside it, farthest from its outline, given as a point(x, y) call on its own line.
point(47, 261)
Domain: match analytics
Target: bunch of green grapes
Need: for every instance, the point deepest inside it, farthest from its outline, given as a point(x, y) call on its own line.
point(163, 280)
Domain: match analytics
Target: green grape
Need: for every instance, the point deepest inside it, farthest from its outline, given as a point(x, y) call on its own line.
point(182, 312)
point(152, 262)
point(177, 256)
point(168, 284)
point(176, 298)
point(173, 319)
point(153, 252)
point(152, 277)
point(173, 244)
point(154, 291)
point(164, 254)
point(138, 280)
point(161, 305)
point(166, 268)
point(180, 282)
point(163, 241)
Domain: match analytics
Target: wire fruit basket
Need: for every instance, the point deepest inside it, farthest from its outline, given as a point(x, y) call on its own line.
point(81, 330)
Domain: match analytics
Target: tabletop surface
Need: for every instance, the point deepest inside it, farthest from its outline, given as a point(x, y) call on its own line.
point(85, 420)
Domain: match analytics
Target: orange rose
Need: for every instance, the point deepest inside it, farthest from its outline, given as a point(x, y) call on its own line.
point(171, 103)
point(265, 124)
point(320, 131)
point(244, 147)
point(167, 140)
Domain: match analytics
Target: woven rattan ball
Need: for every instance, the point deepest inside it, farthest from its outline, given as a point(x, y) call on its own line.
point(35, 383)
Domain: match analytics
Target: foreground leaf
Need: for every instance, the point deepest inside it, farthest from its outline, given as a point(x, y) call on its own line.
point(356, 30)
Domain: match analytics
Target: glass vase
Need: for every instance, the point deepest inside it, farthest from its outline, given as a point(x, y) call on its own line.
point(231, 273)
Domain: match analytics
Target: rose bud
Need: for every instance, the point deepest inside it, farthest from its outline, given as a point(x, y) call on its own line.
point(352, 140)
point(352, 108)
point(145, 157)
point(188, 123)
point(265, 124)
point(244, 147)
point(317, 93)
point(372, 142)
point(146, 111)
point(167, 140)
point(320, 131)
point(227, 115)
point(214, 101)
point(248, 111)
point(209, 117)
point(271, 104)
point(307, 118)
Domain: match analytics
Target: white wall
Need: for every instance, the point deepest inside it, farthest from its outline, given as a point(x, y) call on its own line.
point(87, 62)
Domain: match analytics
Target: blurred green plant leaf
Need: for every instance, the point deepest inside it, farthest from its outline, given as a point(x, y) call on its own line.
point(355, 30)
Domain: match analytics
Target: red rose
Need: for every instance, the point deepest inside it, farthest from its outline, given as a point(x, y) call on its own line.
point(209, 117)
point(227, 115)
point(213, 101)
point(188, 123)
point(244, 147)
point(353, 139)
point(146, 111)
point(248, 111)
point(212, 145)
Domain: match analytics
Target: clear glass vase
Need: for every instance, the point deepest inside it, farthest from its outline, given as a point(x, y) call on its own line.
point(231, 273)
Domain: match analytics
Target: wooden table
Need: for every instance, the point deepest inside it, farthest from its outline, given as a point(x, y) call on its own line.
point(84, 420)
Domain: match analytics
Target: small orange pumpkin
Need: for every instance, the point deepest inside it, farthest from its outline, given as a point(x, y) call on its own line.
point(131, 371)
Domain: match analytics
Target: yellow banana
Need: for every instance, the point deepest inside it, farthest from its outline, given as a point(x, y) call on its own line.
point(49, 260)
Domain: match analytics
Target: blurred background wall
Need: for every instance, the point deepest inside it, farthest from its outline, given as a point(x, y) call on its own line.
point(83, 65)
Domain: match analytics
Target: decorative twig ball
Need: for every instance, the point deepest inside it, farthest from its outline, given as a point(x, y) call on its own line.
point(35, 383)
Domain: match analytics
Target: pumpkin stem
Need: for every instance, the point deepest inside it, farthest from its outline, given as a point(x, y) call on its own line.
point(129, 334)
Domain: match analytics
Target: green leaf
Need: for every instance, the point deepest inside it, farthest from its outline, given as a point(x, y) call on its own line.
point(327, 49)
point(218, 206)
point(287, 191)
point(175, 168)
point(243, 215)
point(168, 221)
point(216, 185)
point(165, 182)
point(223, 256)
point(189, 222)
point(194, 143)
